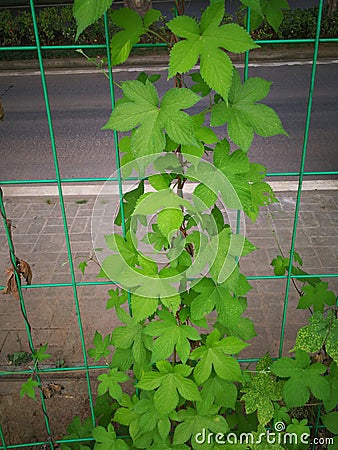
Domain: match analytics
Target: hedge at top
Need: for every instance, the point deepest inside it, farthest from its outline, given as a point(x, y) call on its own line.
point(57, 26)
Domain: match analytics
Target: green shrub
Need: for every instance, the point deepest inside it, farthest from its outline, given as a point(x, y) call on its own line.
point(57, 27)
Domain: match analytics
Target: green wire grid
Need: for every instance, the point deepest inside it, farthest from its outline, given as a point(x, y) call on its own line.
point(85, 367)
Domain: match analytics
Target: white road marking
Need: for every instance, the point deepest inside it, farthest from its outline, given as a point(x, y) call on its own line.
point(87, 71)
point(81, 190)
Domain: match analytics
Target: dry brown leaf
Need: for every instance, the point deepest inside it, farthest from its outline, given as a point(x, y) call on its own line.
point(52, 389)
point(25, 270)
point(11, 287)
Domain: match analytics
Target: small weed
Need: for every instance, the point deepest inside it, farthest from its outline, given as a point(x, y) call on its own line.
point(18, 358)
point(81, 202)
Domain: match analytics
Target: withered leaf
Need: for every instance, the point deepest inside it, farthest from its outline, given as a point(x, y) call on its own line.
point(11, 287)
point(25, 270)
point(52, 389)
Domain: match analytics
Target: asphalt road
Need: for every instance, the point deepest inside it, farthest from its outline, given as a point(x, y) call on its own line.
point(80, 106)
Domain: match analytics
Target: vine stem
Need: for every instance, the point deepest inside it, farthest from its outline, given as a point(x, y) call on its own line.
point(161, 38)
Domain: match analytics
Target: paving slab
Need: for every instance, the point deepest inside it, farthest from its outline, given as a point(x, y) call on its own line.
point(39, 238)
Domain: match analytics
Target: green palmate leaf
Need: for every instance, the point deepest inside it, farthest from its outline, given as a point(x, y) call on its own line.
point(214, 355)
point(76, 429)
point(230, 310)
point(273, 12)
point(141, 109)
point(129, 202)
point(82, 266)
point(205, 41)
point(303, 378)
point(143, 307)
point(199, 86)
point(206, 195)
point(330, 420)
point(169, 221)
point(87, 12)
point(105, 439)
point(133, 28)
point(270, 9)
point(255, 5)
point(109, 382)
point(131, 336)
point(144, 420)
point(317, 296)
point(280, 265)
point(321, 331)
point(28, 388)
point(160, 181)
point(260, 394)
point(332, 378)
point(169, 382)
point(40, 354)
point(116, 298)
point(101, 345)
point(302, 431)
point(244, 177)
point(193, 421)
point(171, 335)
point(219, 391)
point(244, 115)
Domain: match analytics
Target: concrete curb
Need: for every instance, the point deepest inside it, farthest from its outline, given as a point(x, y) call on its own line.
point(149, 57)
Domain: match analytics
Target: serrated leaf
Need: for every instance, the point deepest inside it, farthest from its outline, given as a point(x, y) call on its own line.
point(40, 354)
point(244, 115)
point(143, 307)
point(219, 391)
point(317, 296)
point(87, 12)
point(194, 420)
point(204, 41)
point(133, 27)
point(169, 381)
point(169, 221)
point(171, 335)
point(214, 355)
point(214, 296)
point(105, 439)
point(101, 345)
point(28, 388)
point(303, 377)
point(82, 266)
point(259, 395)
point(141, 109)
point(273, 12)
point(150, 17)
point(199, 86)
point(109, 382)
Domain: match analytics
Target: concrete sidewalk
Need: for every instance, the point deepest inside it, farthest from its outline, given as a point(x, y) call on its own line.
point(39, 238)
point(160, 57)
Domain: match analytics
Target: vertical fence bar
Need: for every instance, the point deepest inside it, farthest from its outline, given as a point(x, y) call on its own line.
point(62, 206)
point(2, 437)
point(24, 314)
point(301, 174)
point(116, 139)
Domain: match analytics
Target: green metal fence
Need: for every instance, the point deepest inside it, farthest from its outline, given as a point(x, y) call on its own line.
point(86, 367)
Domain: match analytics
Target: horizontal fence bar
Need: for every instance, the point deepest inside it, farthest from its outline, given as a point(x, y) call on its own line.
point(159, 44)
point(95, 179)
point(104, 283)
